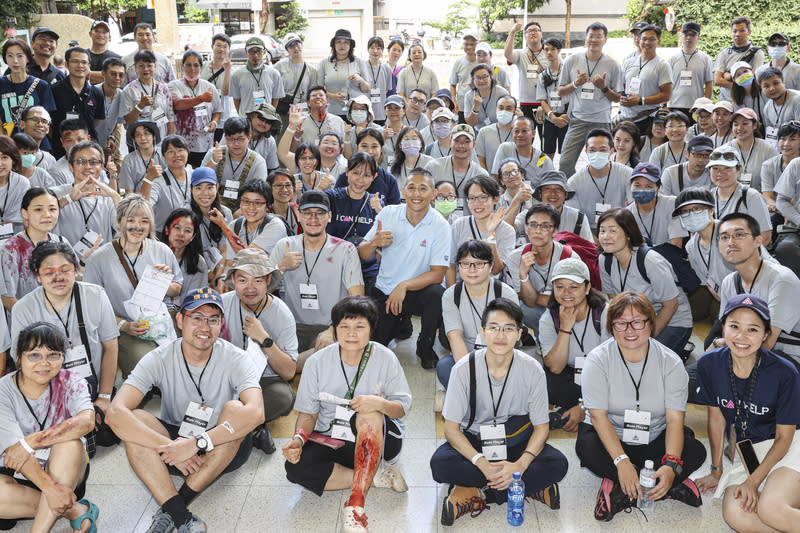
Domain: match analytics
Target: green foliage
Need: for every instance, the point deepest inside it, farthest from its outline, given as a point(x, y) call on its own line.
point(290, 20)
point(490, 11)
point(719, 13)
point(100, 9)
point(195, 15)
point(25, 11)
point(455, 21)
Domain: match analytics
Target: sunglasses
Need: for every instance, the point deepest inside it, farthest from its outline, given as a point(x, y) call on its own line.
point(727, 156)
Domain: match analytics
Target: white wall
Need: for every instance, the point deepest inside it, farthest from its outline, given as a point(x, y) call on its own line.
point(326, 16)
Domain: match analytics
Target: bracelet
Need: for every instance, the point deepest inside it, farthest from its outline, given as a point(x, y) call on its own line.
point(301, 434)
point(148, 181)
point(564, 331)
point(620, 458)
point(716, 468)
point(69, 200)
point(104, 396)
point(670, 457)
point(605, 89)
point(641, 100)
point(477, 457)
point(524, 280)
point(137, 108)
point(491, 239)
point(573, 84)
point(531, 454)
point(290, 130)
point(24, 444)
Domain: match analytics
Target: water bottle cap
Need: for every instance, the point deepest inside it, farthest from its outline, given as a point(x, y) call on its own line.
point(648, 464)
point(517, 475)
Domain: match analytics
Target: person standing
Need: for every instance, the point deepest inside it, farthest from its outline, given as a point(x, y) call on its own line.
point(648, 81)
point(777, 48)
point(741, 50)
point(100, 34)
point(691, 71)
point(43, 44)
point(109, 130)
point(143, 33)
point(343, 75)
point(460, 77)
point(297, 75)
point(532, 63)
point(257, 82)
point(218, 72)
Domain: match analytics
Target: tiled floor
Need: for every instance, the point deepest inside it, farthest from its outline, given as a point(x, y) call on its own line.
point(258, 498)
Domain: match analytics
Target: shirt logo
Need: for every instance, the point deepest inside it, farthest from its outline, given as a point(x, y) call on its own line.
point(424, 243)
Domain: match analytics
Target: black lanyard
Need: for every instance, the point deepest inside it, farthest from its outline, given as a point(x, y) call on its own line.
point(135, 260)
point(83, 213)
point(680, 154)
point(624, 282)
point(779, 116)
point(652, 220)
point(740, 422)
point(200, 379)
point(596, 186)
point(146, 165)
point(497, 126)
point(530, 159)
point(700, 250)
point(476, 318)
point(375, 75)
point(453, 171)
point(535, 57)
point(755, 278)
point(549, 266)
point(8, 193)
point(257, 315)
point(641, 66)
point(27, 403)
point(635, 384)
point(355, 217)
point(258, 80)
point(413, 73)
point(717, 211)
point(185, 194)
point(415, 124)
point(234, 169)
point(64, 323)
point(496, 406)
point(585, 327)
point(749, 154)
point(474, 229)
point(152, 92)
point(589, 68)
point(305, 263)
point(686, 61)
point(257, 142)
point(362, 365)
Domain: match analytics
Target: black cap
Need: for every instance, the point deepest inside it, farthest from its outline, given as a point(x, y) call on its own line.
point(700, 143)
point(778, 35)
point(690, 26)
point(44, 29)
point(314, 198)
point(750, 301)
point(692, 196)
point(639, 26)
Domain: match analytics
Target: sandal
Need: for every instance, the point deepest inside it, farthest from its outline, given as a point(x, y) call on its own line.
point(90, 515)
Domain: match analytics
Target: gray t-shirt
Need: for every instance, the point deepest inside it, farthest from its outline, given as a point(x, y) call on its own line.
point(336, 78)
point(442, 169)
point(234, 170)
point(613, 189)
point(771, 171)
point(98, 318)
point(164, 71)
point(597, 107)
point(662, 156)
point(460, 76)
point(166, 197)
point(466, 318)
point(774, 116)
point(10, 199)
point(534, 166)
point(525, 393)
point(488, 141)
point(97, 214)
point(658, 225)
point(290, 73)
point(269, 234)
point(550, 95)
point(530, 65)
point(192, 281)
point(326, 372)
point(206, 73)
point(465, 229)
point(607, 384)
point(487, 110)
point(277, 320)
point(227, 374)
point(408, 80)
point(313, 129)
point(690, 73)
point(583, 340)
point(113, 117)
point(670, 182)
point(788, 186)
point(245, 84)
point(539, 275)
point(161, 112)
point(266, 148)
point(791, 73)
point(104, 269)
point(753, 159)
point(337, 260)
point(652, 74)
point(134, 168)
point(725, 60)
point(756, 206)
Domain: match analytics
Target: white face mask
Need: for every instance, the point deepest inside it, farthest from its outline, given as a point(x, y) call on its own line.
point(359, 116)
point(410, 147)
point(504, 117)
point(777, 52)
point(598, 160)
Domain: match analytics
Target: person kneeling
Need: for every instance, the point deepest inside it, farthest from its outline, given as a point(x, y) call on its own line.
point(344, 425)
point(205, 424)
point(478, 411)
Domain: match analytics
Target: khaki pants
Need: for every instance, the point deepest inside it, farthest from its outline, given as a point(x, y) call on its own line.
point(278, 397)
point(131, 350)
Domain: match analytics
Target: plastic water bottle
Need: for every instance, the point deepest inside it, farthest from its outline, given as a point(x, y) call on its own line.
point(516, 501)
point(647, 483)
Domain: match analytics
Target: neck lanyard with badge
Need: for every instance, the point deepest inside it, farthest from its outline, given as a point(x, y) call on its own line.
point(741, 416)
point(547, 275)
point(261, 305)
point(601, 206)
point(772, 131)
point(707, 263)
point(232, 184)
point(581, 359)
point(476, 317)
point(717, 211)
point(309, 297)
point(146, 165)
point(41, 454)
point(652, 221)
point(624, 281)
point(259, 95)
point(76, 358)
point(587, 89)
point(636, 424)
point(135, 260)
point(679, 159)
point(746, 177)
point(493, 438)
point(6, 228)
point(184, 193)
point(497, 127)
point(459, 199)
point(197, 416)
point(685, 76)
point(340, 427)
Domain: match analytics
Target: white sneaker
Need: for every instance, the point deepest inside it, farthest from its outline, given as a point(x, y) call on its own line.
point(354, 520)
point(390, 478)
point(438, 401)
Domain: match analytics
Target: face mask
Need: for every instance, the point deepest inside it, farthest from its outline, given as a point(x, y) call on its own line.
point(694, 222)
point(359, 116)
point(27, 160)
point(643, 196)
point(187, 78)
point(504, 117)
point(410, 147)
point(445, 207)
point(442, 130)
point(777, 52)
point(598, 160)
point(745, 80)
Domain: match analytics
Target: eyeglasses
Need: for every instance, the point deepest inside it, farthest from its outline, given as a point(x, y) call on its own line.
point(472, 265)
point(50, 273)
point(782, 43)
point(284, 185)
point(497, 328)
point(449, 197)
point(727, 156)
point(306, 158)
point(419, 101)
point(482, 78)
point(313, 214)
point(52, 357)
point(252, 203)
point(94, 163)
point(691, 211)
point(479, 198)
point(544, 227)
point(532, 30)
point(510, 173)
point(37, 120)
point(736, 236)
point(622, 325)
point(197, 320)
point(236, 140)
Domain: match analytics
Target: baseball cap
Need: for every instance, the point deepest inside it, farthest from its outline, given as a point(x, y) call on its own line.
point(483, 47)
point(97, 23)
point(551, 177)
point(470, 34)
point(745, 112)
point(572, 269)
point(463, 129)
point(316, 199)
point(255, 262)
point(254, 42)
point(778, 35)
point(750, 301)
point(291, 38)
point(203, 175)
point(700, 143)
point(702, 103)
point(44, 29)
point(639, 26)
point(692, 196)
point(443, 112)
point(719, 157)
point(724, 104)
point(660, 116)
point(434, 100)
point(690, 27)
point(199, 297)
point(648, 171)
point(740, 64)
point(395, 99)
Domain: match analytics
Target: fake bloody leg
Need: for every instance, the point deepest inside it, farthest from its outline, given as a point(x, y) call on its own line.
point(367, 455)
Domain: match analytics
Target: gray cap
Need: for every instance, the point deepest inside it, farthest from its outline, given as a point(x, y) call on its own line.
point(255, 262)
point(395, 99)
point(552, 177)
point(572, 269)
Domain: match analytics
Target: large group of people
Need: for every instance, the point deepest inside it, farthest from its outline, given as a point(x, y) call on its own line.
point(209, 237)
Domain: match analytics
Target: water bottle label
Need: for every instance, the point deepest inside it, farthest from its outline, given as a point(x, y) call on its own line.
point(646, 481)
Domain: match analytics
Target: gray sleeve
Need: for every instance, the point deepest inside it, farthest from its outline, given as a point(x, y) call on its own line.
point(78, 398)
point(259, 170)
point(594, 379)
point(108, 329)
point(547, 333)
point(456, 401)
point(351, 275)
point(450, 313)
point(676, 384)
point(12, 432)
point(273, 232)
point(784, 293)
point(662, 282)
point(233, 87)
point(307, 400)
point(147, 372)
point(125, 173)
point(787, 209)
point(537, 403)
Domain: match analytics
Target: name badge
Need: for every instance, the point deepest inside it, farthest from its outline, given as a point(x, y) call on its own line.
point(772, 135)
point(745, 178)
point(521, 240)
point(686, 78)
point(555, 101)
point(231, 189)
point(86, 243)
point(634, 85)
point(77, 360)
point(587, 91)
point(479, 342)
point(460, 204)
point(41, 455)
point(212, 255)
point(309, 298)
point(375, 95)
point(636, 427)
point(389, 160)
point(6, 231)
point(341, 424)
point(600, 208)
point(160, 118)
point(201, 111)
point(579, 362)
point(196, 420)
point(259, 97)
point(256, 355)
point(493, 442)
point(71, 116)
point(532, 73)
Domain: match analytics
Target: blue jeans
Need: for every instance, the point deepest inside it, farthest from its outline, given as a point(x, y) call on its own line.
point(675, 338)
point(444, 367)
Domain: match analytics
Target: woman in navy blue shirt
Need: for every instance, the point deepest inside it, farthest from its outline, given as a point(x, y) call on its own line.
point(757, 392)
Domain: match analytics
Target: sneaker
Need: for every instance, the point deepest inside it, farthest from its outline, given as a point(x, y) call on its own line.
point(686, 492)
point(549, 496)
point(611, 500)
point(438, 401)
point(390, 478)
point(354, 520)
point(557, 419)
point(263, 440)
point(162, 523)
point(428, 357)
point(195, 525)
point(460, 501)
point(405, 329)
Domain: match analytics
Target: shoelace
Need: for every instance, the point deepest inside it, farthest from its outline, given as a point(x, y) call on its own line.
point(163, 523)
point(474, 506)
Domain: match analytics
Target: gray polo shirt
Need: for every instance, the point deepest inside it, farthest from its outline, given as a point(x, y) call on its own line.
point(652, 74)
point(662, 156)
point(596, 108)
point(539, 275)
point(525, 392)
point(466, 318)
point(534, 166)
point(166, 197)
point(670, 184)
point(323, 372)
point(607, 384)
point(583, 332)
point(98, 318)
point(245, 83)
point(335, 77)
point(134, 168)
point(725, 60)
point(228, 373)
point(442, 170)
point(460, 76)
point(487, 110)
point(530, 65)
point(658, 225)
point(277, 320)
point(690, 73)
point(613, 189)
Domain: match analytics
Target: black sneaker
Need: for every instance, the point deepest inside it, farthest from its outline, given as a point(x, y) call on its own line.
point(263, 440)
point(428, 356)
point(686, 492)
point(405, 329)
point(611, 500)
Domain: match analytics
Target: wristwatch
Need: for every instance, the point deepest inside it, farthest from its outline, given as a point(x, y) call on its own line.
point(267, 343)
point(202, 443)
point(675, 466)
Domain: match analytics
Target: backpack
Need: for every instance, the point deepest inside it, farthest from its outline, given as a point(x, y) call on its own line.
point(597, 313)
point(498, 292)
point(586, 250)
point(678, 260)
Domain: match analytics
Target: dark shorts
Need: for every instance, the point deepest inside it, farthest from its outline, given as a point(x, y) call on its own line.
point(80, 490)
point(238, 460)
point(316, 461)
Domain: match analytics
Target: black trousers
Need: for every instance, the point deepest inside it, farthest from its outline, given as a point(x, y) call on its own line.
point(562, 389)
point(425, 303)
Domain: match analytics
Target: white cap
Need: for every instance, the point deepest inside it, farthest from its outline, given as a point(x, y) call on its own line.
point(648, 464)
point(483, 47)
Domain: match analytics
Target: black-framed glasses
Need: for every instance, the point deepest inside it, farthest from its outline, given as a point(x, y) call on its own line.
point(544, 227)
point(622, 325)
point(472, 265)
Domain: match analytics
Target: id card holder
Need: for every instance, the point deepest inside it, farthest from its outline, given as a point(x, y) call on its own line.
point(772, 135)
point(231, 190)
point(212, 255)
point(460, 205)
point(42, 455)
point(579, 362)
point(86, 243)
point(259, 97)
point(71, 116)
point(341, 424)
point(636, 427)
point(195, 421)
point(555, 101)
point(686, 78)
point(493, 442)
point(201, 111)
point(77, 360)
point(600, 208)
point(587, 91)
point(479, 342)
point(375, 95)
point(309, 297)
point(6, 231)
point(160, 118)
point(634, 85)
point(745, 178)
point(532, 73)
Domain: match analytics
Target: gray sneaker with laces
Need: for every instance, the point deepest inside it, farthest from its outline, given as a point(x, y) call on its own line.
point(195, 525)
point(162, 523)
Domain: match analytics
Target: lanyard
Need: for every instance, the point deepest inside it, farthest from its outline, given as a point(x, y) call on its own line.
point(185, 193)
point(635, 384)
point(739, 421)
point(257, 142)
point(83, 213)
point(305, 263)
point(749, 153)
point(28, 404)
point(779, 116)
point(69, 312)
point(413, 73)
point(596, 186)
point(755, 278)
point(549, 266)
point(497, 126)
point(530, 159)
point(652, 219)
point(700, 250)
point(355, 217)
point(590, 68)
point(234, 169)
point(476, 317)
point(8, 193)
point(258, 80)
point(362, 365)
point(717, 211)
point(453, 171)
point(135, 260)
point(152, 87)
point(680, 154)
point(146, 165)
point(415, 124)
point(200, 379)
point(496, 406)
point(624, 282)
point(641, 66)
point(585, 327)
point(686, 61)
point(442, 154)
point(241, 319)
point(535, 57)
point(375, 74)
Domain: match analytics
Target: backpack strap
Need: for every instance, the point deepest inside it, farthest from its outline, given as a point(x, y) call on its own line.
point(578, 224)
point(737, 283)
point(221, 168)
point(237, 225)
point(641, 252)
point(247, 166)
point(473, 401)
point(742, 199)
point(607, 262)
point(597, 314)
point(131, 276)
point(680, 177)
point(498, 288)
point(457, 293)
point(165, 175)
point(566, 252)
point(76, 291)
